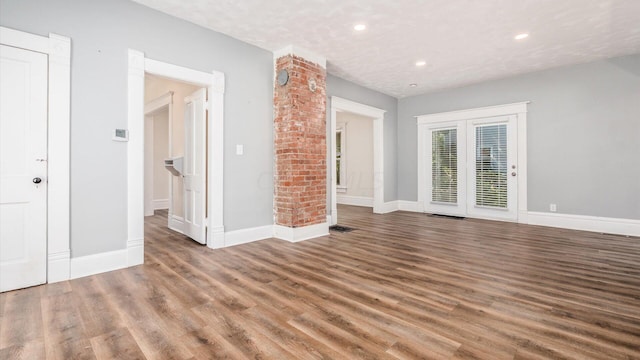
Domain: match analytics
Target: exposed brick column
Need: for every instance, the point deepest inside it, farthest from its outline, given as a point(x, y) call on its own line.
point(300, 144)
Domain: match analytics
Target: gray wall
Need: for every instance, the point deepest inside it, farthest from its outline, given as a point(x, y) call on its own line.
point(347, 90)
point(101, 32)
point(583, 134)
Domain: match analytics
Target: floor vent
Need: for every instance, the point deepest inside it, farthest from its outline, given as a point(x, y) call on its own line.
point(447, 216)
point(340, 228)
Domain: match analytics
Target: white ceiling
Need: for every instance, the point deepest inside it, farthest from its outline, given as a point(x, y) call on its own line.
point(462, 41)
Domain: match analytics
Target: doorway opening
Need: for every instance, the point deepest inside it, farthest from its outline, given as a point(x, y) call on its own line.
point(206, 109)
point(168, 114)
point(354, 159)
point(340, 105)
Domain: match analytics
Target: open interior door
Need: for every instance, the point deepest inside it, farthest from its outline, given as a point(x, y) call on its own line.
point(195, 137)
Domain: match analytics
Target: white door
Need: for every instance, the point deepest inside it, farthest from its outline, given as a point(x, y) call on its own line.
point(195, 140)
point(446, 171)
point(23, 168)
point(471, 168)
point(492, 168)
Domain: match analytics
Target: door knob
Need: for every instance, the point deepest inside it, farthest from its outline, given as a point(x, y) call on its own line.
point(513, 173)
point(37, 180)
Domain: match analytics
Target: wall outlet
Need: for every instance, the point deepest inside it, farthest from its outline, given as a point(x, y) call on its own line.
point(553, 207)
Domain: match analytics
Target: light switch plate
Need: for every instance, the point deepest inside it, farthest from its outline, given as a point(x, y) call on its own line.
point(239, 149)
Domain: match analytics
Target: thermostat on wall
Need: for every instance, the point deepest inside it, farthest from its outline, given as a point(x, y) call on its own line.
point(121, 135)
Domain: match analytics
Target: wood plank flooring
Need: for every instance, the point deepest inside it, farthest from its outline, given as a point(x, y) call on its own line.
point(401, 286)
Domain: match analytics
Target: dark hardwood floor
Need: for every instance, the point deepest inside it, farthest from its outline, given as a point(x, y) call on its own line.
point(402, 285)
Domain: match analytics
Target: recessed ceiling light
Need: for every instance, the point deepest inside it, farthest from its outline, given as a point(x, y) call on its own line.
point(413, 85)
point(521, 36)
point(421, 63)
point(359, 27)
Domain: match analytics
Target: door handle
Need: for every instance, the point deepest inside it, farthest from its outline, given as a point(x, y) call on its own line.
point(37, 180)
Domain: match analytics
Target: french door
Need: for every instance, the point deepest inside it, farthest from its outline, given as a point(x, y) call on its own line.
point(470, 168)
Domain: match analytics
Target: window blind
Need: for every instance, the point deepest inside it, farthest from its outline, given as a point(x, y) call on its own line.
point(444, 174)
point(491, 166)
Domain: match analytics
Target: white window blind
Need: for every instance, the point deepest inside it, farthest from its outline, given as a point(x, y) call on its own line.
point(491, 166)
point(444, 175)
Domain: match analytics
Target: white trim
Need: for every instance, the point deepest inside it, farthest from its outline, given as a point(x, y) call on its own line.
point(244, 236)
point(605, 225)
point(339, 104)
point(58, 267)
point(135, 252)
point(215, 81)
point(176, 223)
point(108, 261)
point(476, 113)
point(58, 152)
point(355, 200)
point(98, 263)
point(388, 207)
point(413, 206)
point(518, 109)
point(300, 233)
point(158, 103)
point(300, 52)
point(160, 204)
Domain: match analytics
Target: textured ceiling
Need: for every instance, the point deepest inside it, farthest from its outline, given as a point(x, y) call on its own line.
point(462, 41)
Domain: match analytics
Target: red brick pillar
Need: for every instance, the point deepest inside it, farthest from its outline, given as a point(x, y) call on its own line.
point(300, 197)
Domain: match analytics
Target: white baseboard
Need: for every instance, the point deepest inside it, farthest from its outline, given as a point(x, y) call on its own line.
point(58, 266)
point(355, 200)
point(588, 223)
point(160, 204)
point(216, 237)
point(98, 263)
point(301, 233)
point(387, 207)
point(244, 236)
point(413, 206)
point(107, 261)
point(135, 252)
point(176, 223)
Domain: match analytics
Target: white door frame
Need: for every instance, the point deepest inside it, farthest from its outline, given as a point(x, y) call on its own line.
point(58, 49)
point(338, 105)
point(138, 65)
point(517, 109)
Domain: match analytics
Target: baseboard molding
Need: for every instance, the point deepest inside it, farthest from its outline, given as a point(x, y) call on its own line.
point(160, 204)
point(176, 223)
point(58, 266)
point(135, 252)
point(355, 200)
point(387, 207)
point(98, 263)
point(627, 227)
point(413, 206)
point(300, 233)
point(244, 236)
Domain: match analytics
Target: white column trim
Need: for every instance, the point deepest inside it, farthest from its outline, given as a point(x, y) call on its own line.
point(337, 105)
point(58, 48)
